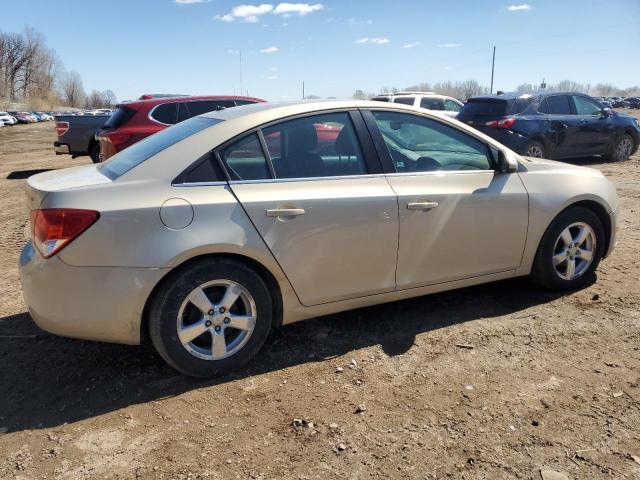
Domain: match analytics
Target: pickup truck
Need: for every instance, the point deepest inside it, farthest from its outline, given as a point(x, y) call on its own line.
point(76, 135)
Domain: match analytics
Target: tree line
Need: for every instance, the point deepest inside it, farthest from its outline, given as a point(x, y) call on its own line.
point(470, 88)
point(32, 73)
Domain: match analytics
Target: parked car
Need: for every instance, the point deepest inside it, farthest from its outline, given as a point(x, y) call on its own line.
point(133, 121)
point(23, 117)
point(429, 100)
point(634, 102)
point(7, 119)
point(77, 135)
point(204, 236)
point(554, 125)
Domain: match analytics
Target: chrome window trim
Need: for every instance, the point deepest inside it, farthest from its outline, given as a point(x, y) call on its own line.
point(200, 184)
point(182, 100)
point(150, 114)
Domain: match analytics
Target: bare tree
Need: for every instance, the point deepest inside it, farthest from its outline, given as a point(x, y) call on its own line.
point(109, 98)
point(72, 89)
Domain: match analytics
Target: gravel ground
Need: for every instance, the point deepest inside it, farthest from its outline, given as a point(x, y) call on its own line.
point(497, 381)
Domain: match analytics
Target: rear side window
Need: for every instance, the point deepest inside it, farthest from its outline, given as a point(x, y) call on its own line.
point(451, 106)
point(381, 99)
point(405, 100)
point(121, 116)
point(432, 103)
point(165, 113)
point(139, 152)
point(559, 105)
point(204, 106)
point(316, 146)
point(244, 102)
point(245, 160)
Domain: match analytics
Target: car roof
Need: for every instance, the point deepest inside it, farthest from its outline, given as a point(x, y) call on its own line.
point(187, 98)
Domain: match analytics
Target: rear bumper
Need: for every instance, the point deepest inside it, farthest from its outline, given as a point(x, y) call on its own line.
point(92, 303)
point(61, 148)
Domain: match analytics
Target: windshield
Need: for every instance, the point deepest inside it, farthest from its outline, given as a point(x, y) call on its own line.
point(137, 153)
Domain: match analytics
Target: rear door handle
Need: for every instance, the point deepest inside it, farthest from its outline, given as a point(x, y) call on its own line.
point(422, 205)
point(285, 212)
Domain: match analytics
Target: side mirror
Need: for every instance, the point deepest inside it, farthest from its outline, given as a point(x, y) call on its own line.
point(606, 112)
point(502, 163)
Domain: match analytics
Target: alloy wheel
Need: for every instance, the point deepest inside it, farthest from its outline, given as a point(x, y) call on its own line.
point(535, 151)
point(574, 251)
point(623, 149)
point(216, 319)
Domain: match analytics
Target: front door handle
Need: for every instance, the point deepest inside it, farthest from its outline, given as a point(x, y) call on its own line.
point(422, 205)
point(285, 212)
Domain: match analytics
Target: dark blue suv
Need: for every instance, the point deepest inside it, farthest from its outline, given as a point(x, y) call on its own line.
point(553, 125)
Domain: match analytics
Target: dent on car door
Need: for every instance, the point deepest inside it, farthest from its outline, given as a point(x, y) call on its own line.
point(458, 217)
point(308, 186)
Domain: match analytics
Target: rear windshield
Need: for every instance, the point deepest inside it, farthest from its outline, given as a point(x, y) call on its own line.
point(137, 153)
point(493, 108)
point(121, 116)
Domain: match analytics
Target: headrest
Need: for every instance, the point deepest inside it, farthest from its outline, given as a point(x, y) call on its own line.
point(303, 138)
point(345, 143)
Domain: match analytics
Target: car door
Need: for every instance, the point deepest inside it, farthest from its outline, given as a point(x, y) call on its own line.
point(314, 192)
point(459, 218)
point(595, 130)
point(561, 127)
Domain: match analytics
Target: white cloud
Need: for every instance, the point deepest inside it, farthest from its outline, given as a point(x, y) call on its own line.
point(375, 40)
point(516, 8)
point(189, 2)
point(233, 52)
point(252, 13)
point(411, 45)
point(269, 50)
point(301, 9)
point(272, 77)
point(448, 68)
point(449, 45)
point(273, 69)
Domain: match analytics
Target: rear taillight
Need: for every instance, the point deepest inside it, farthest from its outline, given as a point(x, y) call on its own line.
point(116, 139)
point(503, 123)
point(55, 228)
point(62, 128)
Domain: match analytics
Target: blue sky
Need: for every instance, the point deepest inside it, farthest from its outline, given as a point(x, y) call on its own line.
point(335, 46)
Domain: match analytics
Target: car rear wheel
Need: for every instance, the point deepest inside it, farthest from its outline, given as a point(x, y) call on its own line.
point(211, 317)
point(621, 149)
point(570, 250)
point(535, 149)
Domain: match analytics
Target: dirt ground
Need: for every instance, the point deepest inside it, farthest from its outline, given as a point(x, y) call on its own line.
point(497, 381)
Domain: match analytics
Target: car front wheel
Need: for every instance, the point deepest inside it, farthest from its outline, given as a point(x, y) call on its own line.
point(210, 317)
point(570, 250)
point(621, 149)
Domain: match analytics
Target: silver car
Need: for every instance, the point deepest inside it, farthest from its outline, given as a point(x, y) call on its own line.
point(207, 235)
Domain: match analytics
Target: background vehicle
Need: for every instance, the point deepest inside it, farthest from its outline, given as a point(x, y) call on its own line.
point(429, 100)
point(233, 222)
point(133, 121)
point(23, 117)
point(553, 125)
point(7, 119)
point(76, 135)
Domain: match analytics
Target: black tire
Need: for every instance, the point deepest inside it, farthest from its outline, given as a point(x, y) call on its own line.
point(166, 303)
point(95, 153)
point(544, 272)
point(535, 149)
point(615, 153)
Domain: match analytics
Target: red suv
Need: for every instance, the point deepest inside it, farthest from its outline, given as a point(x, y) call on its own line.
point(135, 120)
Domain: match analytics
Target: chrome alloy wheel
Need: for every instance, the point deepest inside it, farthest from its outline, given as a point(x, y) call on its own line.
point(535, 151)
point(623, 149)
point(574, 251)
point(216, 319)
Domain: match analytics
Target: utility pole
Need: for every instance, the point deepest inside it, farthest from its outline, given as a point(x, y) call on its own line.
point(240, 72)
point(302, 89)
point(493, 63)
